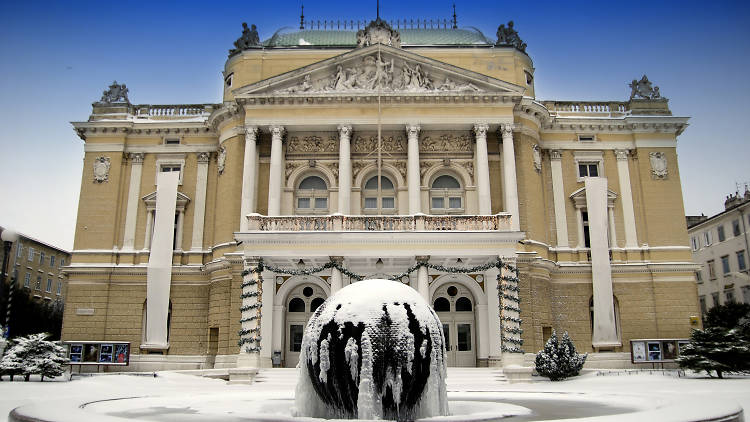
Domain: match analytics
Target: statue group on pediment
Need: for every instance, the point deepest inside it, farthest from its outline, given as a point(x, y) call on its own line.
point(311, 144)
point(374, 73)
point(507, 35)
point(445, 142)
point(117, 93)
point(378, 31)
point(644, 89)
point(249, 38)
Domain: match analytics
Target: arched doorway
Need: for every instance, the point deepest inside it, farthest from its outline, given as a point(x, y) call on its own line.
point(454, 305)
point(300, 304)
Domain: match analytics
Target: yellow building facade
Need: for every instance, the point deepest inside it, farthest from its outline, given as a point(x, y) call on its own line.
point(336, 155)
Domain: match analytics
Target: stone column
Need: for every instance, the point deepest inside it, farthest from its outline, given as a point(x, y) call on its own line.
point(626, 196)
point(423, 279)
point(250, 315)
point(199, 212)
point(345, 169)
point(509, 175)
point(268, 295)
point(483, 170)
point(134, 193)
point(337, 281)
point(510, 313)
point(494, 326)
point(413, 176)
point(149, 225)
point(249, 169)
point(275, 177)
point(278, 329)
point(558, 196)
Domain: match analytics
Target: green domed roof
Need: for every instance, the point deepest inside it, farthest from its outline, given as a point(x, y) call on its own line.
point(348, 38)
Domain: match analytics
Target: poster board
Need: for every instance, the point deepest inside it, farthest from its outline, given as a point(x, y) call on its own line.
point(98, 352)
point(656, 350)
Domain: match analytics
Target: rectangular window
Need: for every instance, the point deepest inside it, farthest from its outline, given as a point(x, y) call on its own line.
point(715, 298)
point(729, 296)
point(30, 256)
point(711, 270)
point(59, 288)
point(736, 227)
point(295, 336)
point(303, 203)
point(165, 168)
point(741, 264)
point(746, 294)
point(588, 170)
point(694, 241)
point(49, 286)
point(41, 258)
point(38, 285)
point(321, 203)
point(27, 280)
point(699, 276)
point(437, 203)
point(171, 141)
point(19, 250)
point(586, 138)
point(454, 202)
point(702, 300)
point(586, 235)
point(388, 202)
point(720, 231)
point(371, 203)
point(51, 260)
point(707, 238)
point(62, 262)
point(725, 264)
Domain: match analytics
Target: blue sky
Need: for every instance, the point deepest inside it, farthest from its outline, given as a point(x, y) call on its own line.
point(57, 57)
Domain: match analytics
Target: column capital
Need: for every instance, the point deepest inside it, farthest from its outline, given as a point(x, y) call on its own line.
point(339, 260)
point(412, 129)
point(251, 133)
point(555, 154)
point(422, 258)
point(203, 157)
point(277, 131)
point(480, 130)
point(506, 130)
point(345, 131)
point(622, 154)
point(136, 157)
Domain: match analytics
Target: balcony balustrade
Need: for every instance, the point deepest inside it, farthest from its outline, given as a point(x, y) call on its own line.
point(401, 223)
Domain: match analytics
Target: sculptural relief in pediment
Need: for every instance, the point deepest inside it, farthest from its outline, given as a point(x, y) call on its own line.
point(380, 73)
point(445, 142)
point(389, 143)
point(312, 143)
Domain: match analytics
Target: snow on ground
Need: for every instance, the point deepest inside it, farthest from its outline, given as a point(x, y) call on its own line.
point(280, 382)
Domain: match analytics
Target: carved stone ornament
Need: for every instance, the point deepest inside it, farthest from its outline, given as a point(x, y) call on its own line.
point(203, 157)
point(658, 164)
point(117, 93)
point(378, 31)
point(311, 144)
point(537, 153)
point(469, 166)
point(221, 159)
point(290, 167)
point(357, 166)
point(136, 157)
point(509, 36)
point(643, 89)
point(373, 73)
point(369, 144)
point(400, 166)
point(424, 166)
point(445, 142)
point(101, 169)
point(248, 39)
point(334, 168)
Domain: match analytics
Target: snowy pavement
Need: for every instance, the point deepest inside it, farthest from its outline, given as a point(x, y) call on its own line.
point(280, 383)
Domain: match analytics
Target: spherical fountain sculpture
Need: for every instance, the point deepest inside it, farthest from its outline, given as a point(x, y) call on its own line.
point(373, 350)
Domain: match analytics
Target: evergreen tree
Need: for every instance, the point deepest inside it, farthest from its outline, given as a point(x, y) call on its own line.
point(559, 360)
point(11, 363)
point(34, 355)
point(724, 345)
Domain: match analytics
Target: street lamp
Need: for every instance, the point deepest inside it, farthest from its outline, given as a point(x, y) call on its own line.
point(8, 237)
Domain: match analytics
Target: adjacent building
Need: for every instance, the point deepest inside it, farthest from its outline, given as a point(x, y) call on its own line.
point(720, 245)
point(207, 234)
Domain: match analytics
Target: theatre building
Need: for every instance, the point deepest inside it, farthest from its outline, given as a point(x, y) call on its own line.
point(207, 234)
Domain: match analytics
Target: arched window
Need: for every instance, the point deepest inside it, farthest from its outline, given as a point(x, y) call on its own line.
point(387, 200)
point(312, 196)
point(316, 303)
point(296, 305)
point(463, 304)
point(442, 305)
point(446, 196)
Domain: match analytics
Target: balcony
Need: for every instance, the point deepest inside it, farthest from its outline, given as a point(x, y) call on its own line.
point(399, 223)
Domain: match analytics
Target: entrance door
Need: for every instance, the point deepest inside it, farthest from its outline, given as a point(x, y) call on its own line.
point(301, 303)
point(455, 309)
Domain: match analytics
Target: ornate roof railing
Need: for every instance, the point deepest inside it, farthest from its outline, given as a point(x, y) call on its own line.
point(179, 111)
point(590, 108)
point(398, 223)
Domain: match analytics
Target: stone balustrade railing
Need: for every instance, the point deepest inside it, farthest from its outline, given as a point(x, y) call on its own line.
point(568, 108)
point(399, 223)
point(177, 111)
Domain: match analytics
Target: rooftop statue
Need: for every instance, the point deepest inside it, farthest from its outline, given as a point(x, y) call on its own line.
point(378, 31)
point(643, 89)
point(115, 94)
point(248, 39)
point(509, 36)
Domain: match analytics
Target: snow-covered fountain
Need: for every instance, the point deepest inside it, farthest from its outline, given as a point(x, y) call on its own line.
point(373, 350)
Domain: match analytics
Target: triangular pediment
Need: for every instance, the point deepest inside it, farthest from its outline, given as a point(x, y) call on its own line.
point(379, 69)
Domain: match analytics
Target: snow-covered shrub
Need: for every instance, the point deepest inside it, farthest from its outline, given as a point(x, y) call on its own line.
point(724, 345)
point(559, 360)
point(34, 355)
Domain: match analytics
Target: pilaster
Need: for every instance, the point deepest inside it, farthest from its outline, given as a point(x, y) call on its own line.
point(136, 170)
point(345, 169)
point(276, 175)
point(509, 176)
point(413, 176)
point(483, 169)
point(249, 171)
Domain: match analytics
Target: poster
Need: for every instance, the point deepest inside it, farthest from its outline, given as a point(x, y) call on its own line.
point(669, 349)
point(105, 354)
point(91, 353)
point(76, 352)
point(654, 351)
point(121, 353)
point(639, 351)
